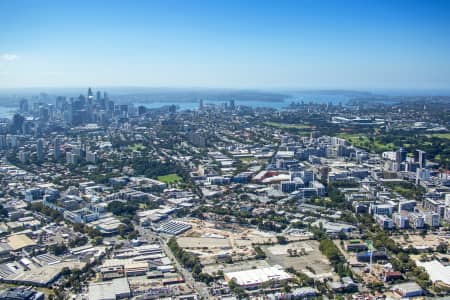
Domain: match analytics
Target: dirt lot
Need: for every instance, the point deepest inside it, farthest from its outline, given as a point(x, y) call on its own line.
point(211, 243)
point(237, 266)
point(305, 257)
point(200, 242)
point(419, 242)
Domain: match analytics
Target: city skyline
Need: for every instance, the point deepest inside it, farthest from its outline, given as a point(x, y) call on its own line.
point(261, 45)
point(220, 150)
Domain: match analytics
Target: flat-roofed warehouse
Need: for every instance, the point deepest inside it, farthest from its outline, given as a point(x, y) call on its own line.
point(21, 293)
point(109, 290)
point(174, 227)
point(256, 277)
point(439, 274)
point(20, 241)
point(39, 276)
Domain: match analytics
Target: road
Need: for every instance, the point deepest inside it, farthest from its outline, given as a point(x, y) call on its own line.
point(199, 287)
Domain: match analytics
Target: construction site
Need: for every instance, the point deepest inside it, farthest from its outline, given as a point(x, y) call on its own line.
point(303, 256)
point(212, 244)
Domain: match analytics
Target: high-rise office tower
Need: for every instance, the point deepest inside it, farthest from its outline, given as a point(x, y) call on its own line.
point(24, 106)
point(40, 150)
point(232, 104)
point(110, 106)
point(90, 97)
point(60, 103)
point(90, 94)
point(44, 113)
point(23, 156)
point(420, 157)
point(401, 155)
point(79, 103)
point(57, 148)
point(17, 123)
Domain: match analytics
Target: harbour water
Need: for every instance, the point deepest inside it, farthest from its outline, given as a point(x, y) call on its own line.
point(294, 97)
point(7, 112)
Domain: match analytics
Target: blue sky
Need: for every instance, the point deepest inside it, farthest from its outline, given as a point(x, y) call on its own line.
point(238, 44)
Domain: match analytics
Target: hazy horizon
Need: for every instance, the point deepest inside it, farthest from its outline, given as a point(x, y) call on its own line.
point(123, 90)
